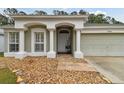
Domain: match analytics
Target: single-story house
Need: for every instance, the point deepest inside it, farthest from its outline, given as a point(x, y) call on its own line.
point(50, 35)
point(1, 40)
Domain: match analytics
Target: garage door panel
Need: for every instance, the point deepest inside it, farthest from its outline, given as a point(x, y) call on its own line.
point(102, 44)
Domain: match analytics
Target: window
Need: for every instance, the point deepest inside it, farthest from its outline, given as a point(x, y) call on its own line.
point(13, 41)
point(39, 41)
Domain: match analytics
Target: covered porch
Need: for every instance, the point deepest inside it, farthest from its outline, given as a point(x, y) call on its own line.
point(44, 39)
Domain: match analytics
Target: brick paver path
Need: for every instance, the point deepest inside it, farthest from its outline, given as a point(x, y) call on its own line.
point(2, 65)
point(67, 62)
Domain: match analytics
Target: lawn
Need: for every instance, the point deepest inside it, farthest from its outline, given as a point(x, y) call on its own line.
point(1, 54)
point(7, 77)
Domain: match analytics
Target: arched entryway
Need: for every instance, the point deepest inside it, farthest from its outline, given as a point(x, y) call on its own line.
point(64, 38)
point(64, 41)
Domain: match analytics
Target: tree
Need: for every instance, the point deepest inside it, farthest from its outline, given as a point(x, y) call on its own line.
point(22, 13)
point(74, 13)
point(57, 12)
point(3, 20)
point(113, 20)
point(6, 19)
point(91, 18)
point(100, 18)
point(39, 12)
point(82, 12)
point(11, 11)
point(108, 19)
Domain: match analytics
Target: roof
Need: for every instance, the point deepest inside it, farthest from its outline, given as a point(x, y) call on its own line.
point(48, 16)
point(103, 25)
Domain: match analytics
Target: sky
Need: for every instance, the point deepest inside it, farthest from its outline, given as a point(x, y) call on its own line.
point(117, 13)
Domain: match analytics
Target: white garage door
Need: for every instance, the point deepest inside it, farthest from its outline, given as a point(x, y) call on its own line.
point(102, 44)
point(1, 43)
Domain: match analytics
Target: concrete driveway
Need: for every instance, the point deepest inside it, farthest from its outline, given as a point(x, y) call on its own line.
point(111, 67)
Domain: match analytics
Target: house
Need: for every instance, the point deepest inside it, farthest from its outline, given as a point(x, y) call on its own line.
point(1, 40)
point(50, 35)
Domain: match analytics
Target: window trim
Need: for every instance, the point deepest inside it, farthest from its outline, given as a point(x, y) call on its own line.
point(33, 30)
point(38, 43)
point(12, 43)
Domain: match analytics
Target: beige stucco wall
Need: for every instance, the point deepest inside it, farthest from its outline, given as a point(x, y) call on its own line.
point(5, 41)
point(50, 23)
point(102, 30)
point(73, 41)
point(47, 41)
point(1, 40)
point(55, 41)
point(28, 41)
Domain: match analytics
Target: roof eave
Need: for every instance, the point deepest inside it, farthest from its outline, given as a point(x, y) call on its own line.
point(114, 27)
point(48, 16)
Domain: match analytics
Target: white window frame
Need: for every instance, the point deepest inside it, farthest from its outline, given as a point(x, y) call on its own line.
point(33, 30)
point(14, 42)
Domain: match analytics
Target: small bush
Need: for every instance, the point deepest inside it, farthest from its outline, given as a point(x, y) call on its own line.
point(1, 54)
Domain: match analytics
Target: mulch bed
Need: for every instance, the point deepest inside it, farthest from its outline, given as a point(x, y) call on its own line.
point(41, 70)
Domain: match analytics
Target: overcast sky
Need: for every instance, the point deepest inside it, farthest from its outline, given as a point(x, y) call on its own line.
point(117, 13)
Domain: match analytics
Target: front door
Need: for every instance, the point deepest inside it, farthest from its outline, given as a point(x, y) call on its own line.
point(64, 45)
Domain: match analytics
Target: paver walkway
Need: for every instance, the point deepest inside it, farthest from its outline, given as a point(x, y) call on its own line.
point(2, 65)
point(67, 62)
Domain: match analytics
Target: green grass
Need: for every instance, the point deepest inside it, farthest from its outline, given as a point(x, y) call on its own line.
point(1, 54)
point(7, 77)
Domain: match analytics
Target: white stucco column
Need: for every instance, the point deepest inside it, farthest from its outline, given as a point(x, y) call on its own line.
point(78, 53)
point(51, 53)
point(21, 54)
point(21, 41)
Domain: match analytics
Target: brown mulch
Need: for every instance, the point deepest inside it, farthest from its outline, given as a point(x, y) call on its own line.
point(44, 71)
